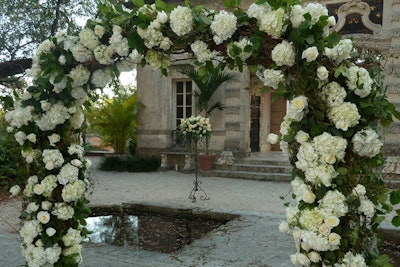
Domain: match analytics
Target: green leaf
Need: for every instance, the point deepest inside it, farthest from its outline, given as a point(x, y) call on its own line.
point(231, 3)
point(396, 221)
point(382, 261)
point(395, 197)
point(342, 171)
point(138, 3)
point(161, 5)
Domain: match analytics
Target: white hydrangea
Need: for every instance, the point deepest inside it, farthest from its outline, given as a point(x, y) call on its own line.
point(341, 51)
point(300, 259)
point(56, 115)
point(333, 94)
point(307, 157)
point(223, 26)
point(351, 260)
point(103, 54)
point(52, 158)
point(201, 51)
point(135, 56)
point(273, 22)
point(76, 149)
point(157, 60)
point(152, 35)
point(322, 73)
point(80, 75)
point(314, 257)
point(322, 173)
point(284, 54)
point(77, 119)
point(257, 11)
point(367, 207)
point(292, 213)
point(316, 11)
point(49, 183)
point(53, 253)
point(344, 115)
point(242, 44)
point(19, 116)
point(100, 78)
point(181, 20)
point(88, 38)
point(296, 16)
point(270, 77)
point(310, 54)
point(366, 143)
point(63, 211)
point(119, 43)
point(72, 237)
point(359, 190)
point(68, 174)
point(81, 53)
point(73, 191)
point(359, 81)
point(74, 250)
point(329, 146)
point(79, 94)
point(334, 203)
point(35, 254)
point(20, 137)
point(30, 230)
point(315, 241)
point(311, 219)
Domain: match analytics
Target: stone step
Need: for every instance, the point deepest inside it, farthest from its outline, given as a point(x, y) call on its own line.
point(258, 161)
point(254, 168)
point(277, 177)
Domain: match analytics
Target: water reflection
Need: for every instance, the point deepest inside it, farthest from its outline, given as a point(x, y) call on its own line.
point(152, 232)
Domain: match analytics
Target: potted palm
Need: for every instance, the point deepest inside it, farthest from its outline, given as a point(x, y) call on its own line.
point(207, 79)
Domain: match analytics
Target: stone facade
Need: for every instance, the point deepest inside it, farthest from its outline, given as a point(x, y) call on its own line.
point(377, 24)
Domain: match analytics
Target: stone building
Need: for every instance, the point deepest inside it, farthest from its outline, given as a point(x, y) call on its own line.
point(249, 116)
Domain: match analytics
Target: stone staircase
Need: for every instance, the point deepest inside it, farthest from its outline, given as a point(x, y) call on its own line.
point(271, 166)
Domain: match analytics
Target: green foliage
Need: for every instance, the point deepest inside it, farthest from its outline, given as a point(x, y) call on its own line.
point(129, 164)
point(208, 79)
point(115, 120)
point(12, 166)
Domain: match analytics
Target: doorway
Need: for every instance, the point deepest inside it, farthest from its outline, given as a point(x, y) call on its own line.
point(255, 111)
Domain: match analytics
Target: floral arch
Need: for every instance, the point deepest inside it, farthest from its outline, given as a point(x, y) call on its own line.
point(337, 107)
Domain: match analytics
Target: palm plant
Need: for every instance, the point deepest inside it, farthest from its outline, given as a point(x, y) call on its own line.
point(208, 80)
point(115, 120)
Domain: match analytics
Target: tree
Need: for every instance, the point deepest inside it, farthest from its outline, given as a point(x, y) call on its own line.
point(25, 24)
point(115, 120)
point(208, 80)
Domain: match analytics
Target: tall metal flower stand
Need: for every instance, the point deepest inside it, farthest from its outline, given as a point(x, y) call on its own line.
point(197, 188)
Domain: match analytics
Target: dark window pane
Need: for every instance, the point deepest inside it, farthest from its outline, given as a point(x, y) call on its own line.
point(179, 100)
point(188, 100)
point(189, 86)
point(188, 111)
point(179, 112)
point(179, 87)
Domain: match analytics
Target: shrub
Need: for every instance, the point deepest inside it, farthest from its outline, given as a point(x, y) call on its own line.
point(129, 164)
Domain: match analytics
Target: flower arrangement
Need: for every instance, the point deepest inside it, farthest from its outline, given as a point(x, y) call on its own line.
point(330, 133)
point(195, 128)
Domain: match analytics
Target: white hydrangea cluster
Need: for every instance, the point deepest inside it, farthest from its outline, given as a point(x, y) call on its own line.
point(80, 95)
point(49, 183)
point(76, 149)
point(68, 174)
point(316, 10)
point(30, 230)
point(366, 143)
point(104, 54)
point(270, 77)
point(202, 52)
point(223, 26)
point(73, 191)
point(63, 211)
point(80, 75)
point(52, 158)
point(359, 81)
point(81, 53)
point(351, 260)
point(330, 148)
point(242, 44)
point(333, 94)
point(153, 35)
point(157, 60)
point(310, 54)
point(273, 22)
point(119, 43)
point(56, 115)
point(344, 115)
point(334, 203)
point(181, 20)
point(284, 54)
point(100, 78)
point(340, 52)
point(72, 237)
point(19, 116)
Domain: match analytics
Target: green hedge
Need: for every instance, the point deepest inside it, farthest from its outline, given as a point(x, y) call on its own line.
point(129, 164)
